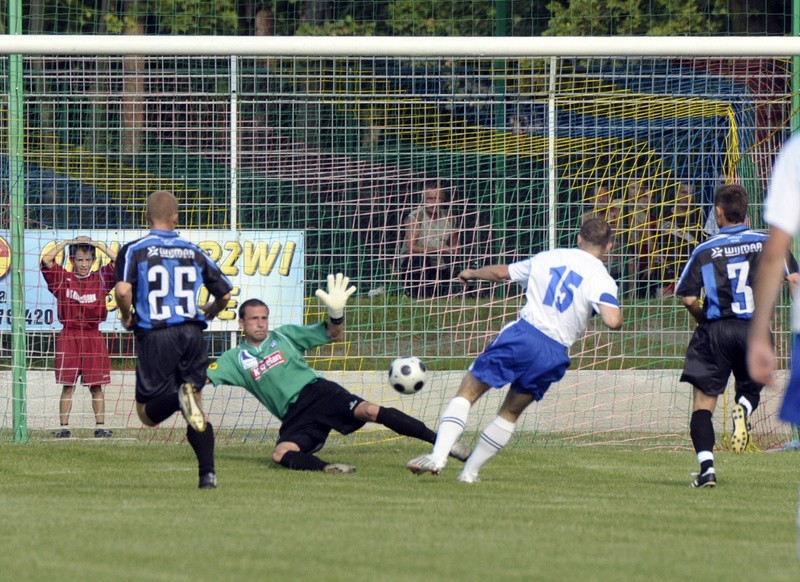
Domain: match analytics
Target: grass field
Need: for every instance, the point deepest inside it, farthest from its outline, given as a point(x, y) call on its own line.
point(85, 510)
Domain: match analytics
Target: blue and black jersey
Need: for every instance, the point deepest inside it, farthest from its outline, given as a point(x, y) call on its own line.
point(725, 267)
point(166, 273)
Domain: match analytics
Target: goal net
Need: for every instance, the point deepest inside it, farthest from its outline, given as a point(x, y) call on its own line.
point(289, 167)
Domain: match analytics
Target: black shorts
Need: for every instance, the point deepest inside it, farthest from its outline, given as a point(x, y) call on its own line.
point(169, 357)
point(321, 407)
point(716, 349)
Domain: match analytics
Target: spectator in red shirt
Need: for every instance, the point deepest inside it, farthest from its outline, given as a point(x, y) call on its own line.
point(80, 348)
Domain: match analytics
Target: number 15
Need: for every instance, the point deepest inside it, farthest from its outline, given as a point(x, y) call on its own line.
point(561, 290)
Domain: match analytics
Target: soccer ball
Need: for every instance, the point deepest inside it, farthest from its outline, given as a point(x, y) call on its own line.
point(407, 375)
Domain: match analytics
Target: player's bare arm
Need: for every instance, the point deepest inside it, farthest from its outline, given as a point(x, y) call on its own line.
point(213, 308)
point(771, 271)
point(49, 258)
point(793, 279)
point(695, 307)
point(494, 273)
point(104, 248)
point(612, 316)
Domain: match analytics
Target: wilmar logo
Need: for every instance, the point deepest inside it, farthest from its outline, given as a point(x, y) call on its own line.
point(270, 361)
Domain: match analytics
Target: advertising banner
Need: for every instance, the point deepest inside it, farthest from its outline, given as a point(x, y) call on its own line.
point(267, 265)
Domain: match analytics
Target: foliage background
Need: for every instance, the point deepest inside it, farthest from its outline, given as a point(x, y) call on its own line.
point(405, 17)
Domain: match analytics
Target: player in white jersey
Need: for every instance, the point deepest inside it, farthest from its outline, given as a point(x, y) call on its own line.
point(564, 288)
point(782, 213)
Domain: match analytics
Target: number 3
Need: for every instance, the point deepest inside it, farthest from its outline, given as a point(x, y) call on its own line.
point(738, 272)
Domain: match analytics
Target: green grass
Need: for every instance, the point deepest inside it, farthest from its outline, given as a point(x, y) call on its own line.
point(84, 510)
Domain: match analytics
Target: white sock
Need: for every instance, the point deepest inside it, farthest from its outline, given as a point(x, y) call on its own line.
point(493, 439)
point(704, 456)
point(451, 426)
point(747, 406)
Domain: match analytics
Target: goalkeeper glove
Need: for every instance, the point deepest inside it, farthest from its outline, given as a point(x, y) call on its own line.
point(336, 297)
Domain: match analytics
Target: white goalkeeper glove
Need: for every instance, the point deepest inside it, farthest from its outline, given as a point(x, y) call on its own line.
point(337, 295)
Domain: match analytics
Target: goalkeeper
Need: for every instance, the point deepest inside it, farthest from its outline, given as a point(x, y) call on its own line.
point(271, 365)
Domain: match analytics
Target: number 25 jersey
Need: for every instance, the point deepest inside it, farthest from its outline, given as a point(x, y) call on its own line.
point(166, 273)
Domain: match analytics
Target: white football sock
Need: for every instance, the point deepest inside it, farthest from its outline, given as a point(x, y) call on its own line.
point(451, 426)
point(747, 406)
point(493, 439)
point(704, 456)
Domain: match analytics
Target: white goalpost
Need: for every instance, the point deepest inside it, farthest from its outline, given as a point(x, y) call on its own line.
point(297, 156)
point(371, 46)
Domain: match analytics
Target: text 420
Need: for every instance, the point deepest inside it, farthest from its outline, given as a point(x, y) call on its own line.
point(32, 316)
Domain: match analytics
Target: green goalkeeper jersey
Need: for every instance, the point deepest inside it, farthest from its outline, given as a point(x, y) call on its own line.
point(274, 372)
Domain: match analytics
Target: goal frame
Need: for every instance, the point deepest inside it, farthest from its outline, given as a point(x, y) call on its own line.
point(13, 46)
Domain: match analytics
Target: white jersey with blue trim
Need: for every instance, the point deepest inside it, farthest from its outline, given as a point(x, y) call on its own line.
point(782, 206)
point(564, 288)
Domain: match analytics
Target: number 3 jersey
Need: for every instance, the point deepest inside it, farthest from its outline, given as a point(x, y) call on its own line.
point(166, 273)
point(724, 267)
point(564, 288)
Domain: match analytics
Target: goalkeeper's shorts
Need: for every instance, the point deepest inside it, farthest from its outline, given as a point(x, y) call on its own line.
point(321, 407)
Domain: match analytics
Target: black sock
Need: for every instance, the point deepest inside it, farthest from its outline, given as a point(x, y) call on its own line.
point(298, 461)
point(406, 425)
point(702, 431)
point(203, 445)
point(161, 408)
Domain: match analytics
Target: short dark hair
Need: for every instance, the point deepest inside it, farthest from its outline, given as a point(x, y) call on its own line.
point(86, 248)
point(596, 231)
point(251, 303)
point(431, 183)
point(733, 200)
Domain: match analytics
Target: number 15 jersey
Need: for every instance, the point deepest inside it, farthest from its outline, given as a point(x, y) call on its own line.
point(166, 273)
point(564, 288)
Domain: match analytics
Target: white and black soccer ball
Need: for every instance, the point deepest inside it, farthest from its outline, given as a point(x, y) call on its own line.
point(407, 374)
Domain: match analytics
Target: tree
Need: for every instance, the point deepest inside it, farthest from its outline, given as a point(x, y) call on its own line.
point(442, 18)
point(636, 17)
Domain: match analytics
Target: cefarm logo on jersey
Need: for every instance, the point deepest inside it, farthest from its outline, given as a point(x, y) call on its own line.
point(267, 265)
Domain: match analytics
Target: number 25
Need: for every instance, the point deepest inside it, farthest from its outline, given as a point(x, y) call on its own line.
point(185, 278)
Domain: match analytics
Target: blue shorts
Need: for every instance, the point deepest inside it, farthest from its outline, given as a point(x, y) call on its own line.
point(524, 357)
point(790, 409)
